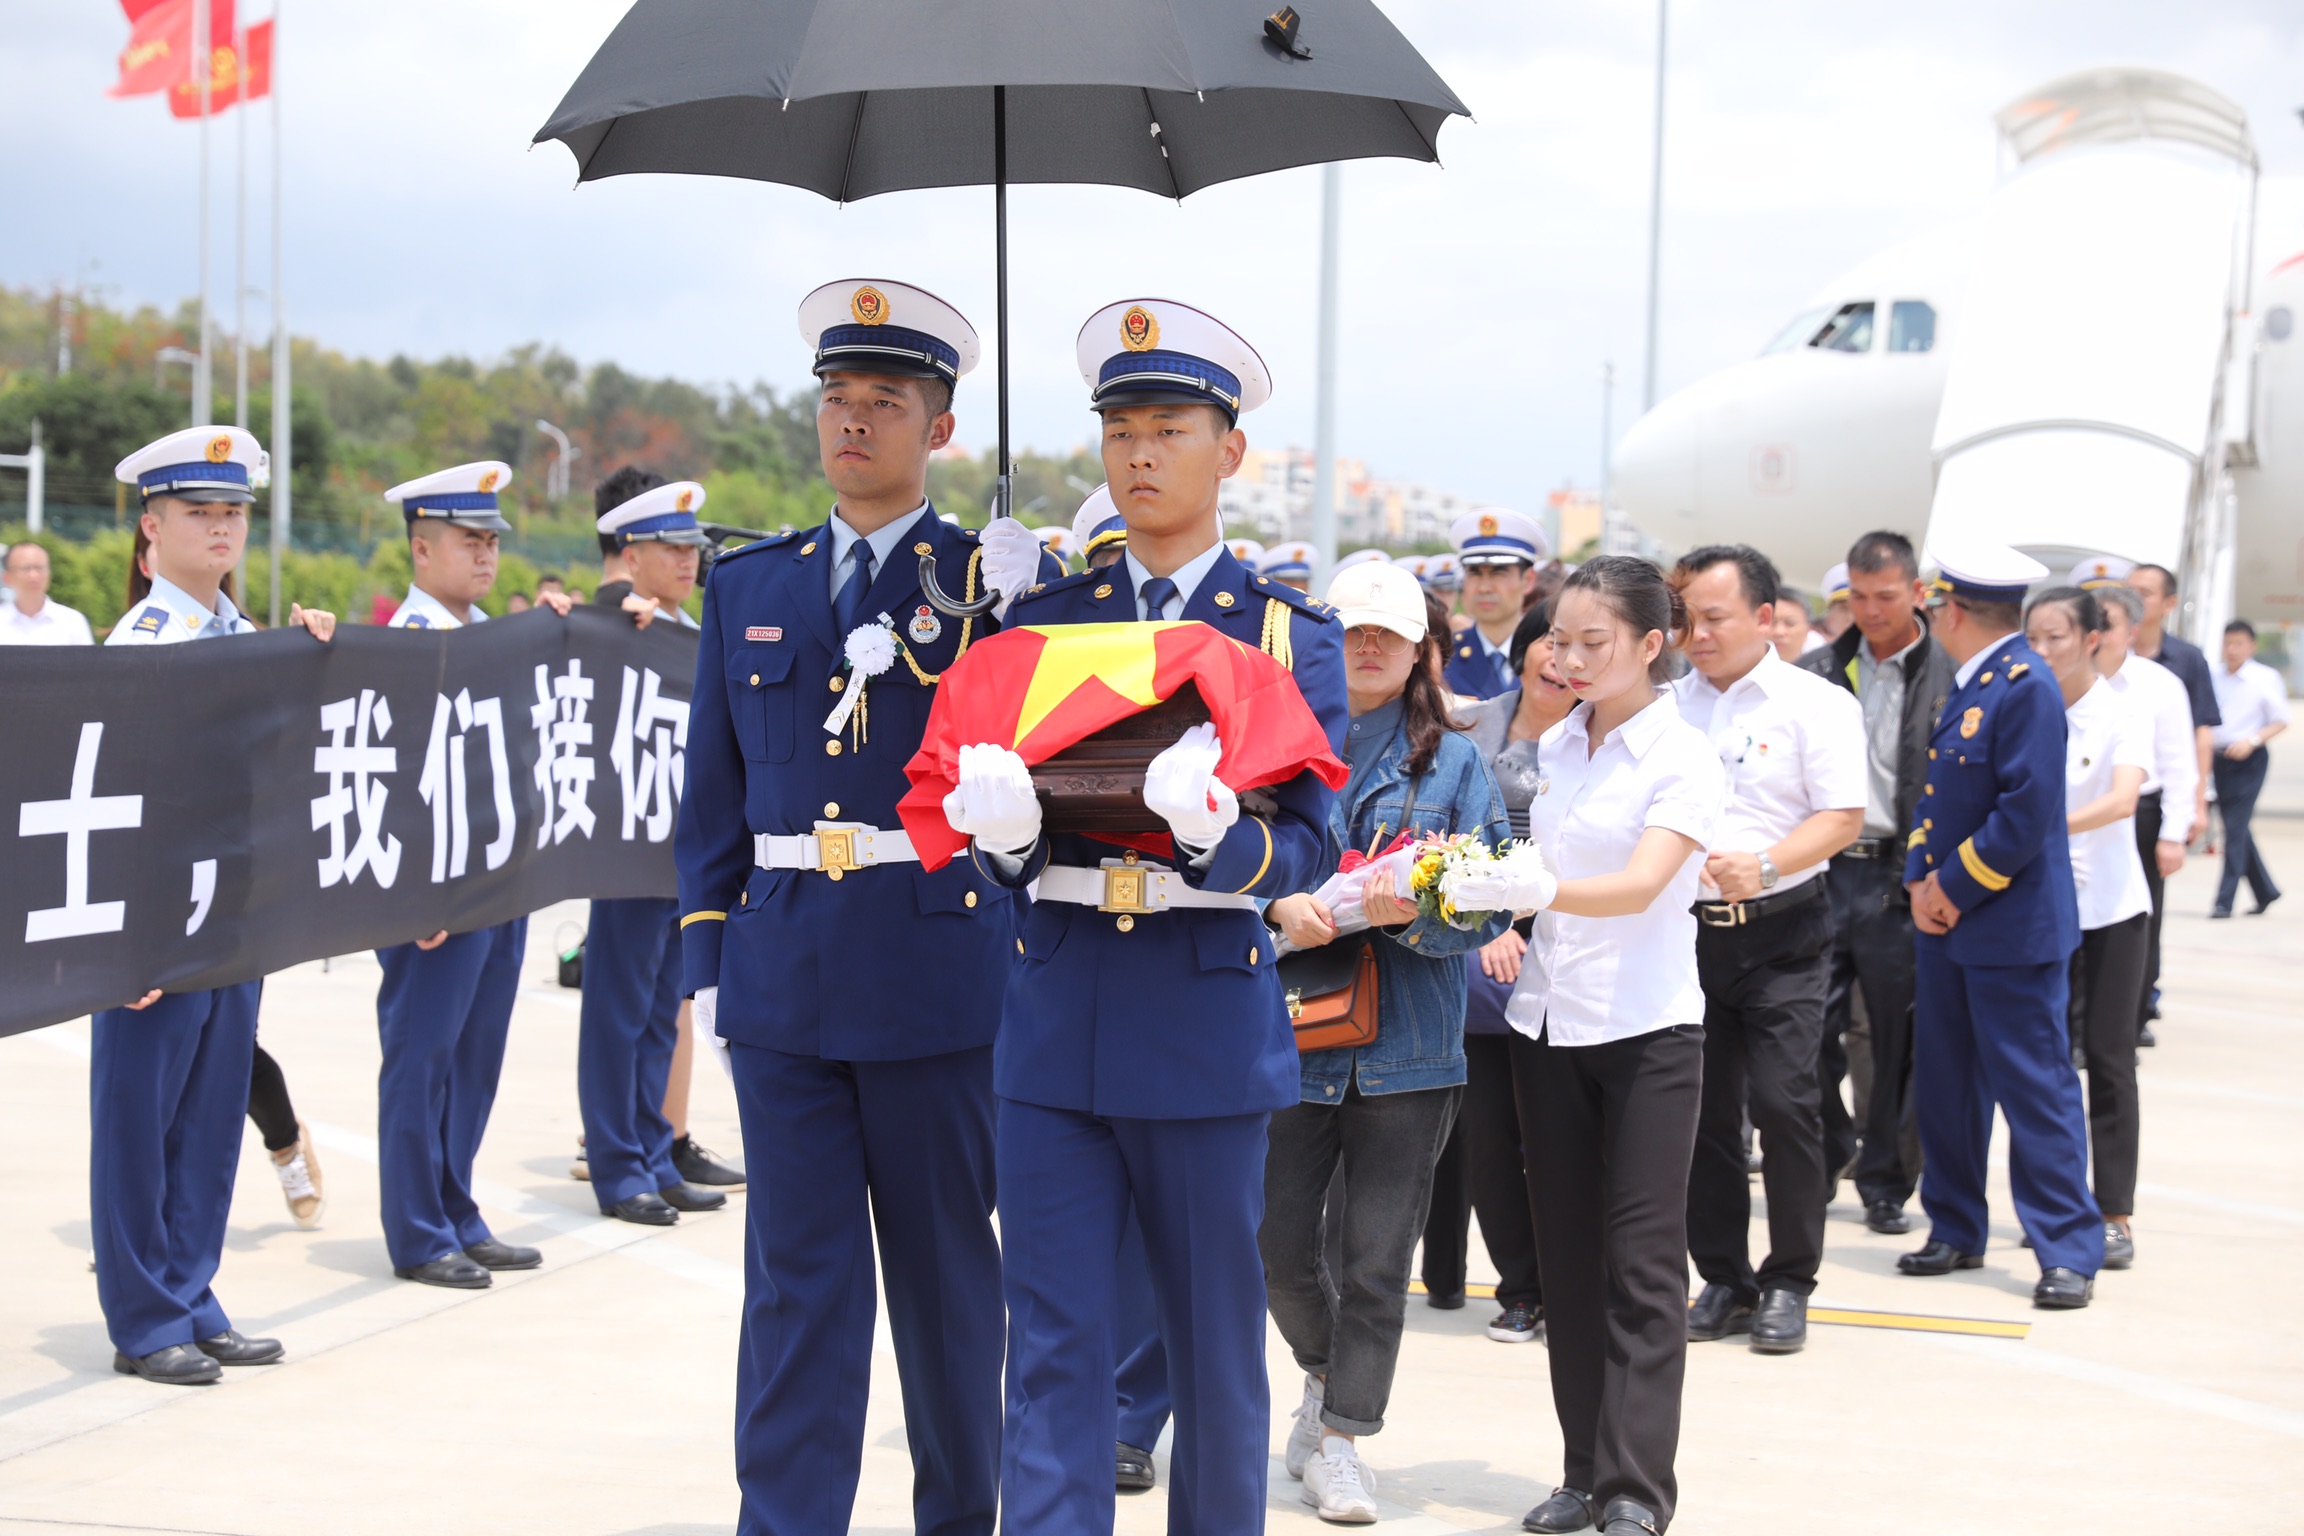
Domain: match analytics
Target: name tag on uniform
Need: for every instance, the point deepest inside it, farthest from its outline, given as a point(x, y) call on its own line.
point(763, 632)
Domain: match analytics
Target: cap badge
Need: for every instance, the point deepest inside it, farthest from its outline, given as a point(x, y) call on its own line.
point(1972, 721)
point(925, 627)
point(1488, 526)
point(487, 482)
point(684, 502)
point(869, 305)
point(219, 449)
point(1139, 332)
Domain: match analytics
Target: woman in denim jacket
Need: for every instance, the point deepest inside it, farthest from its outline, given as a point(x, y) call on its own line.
point(1382, 1111)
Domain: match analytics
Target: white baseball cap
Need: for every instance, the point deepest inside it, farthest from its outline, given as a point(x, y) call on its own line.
point(1379, 593)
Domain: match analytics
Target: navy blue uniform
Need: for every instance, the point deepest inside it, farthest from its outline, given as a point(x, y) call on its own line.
point(1474, 673)
point(860, 1009)
point(1138, 1064)
point(1989, 1025)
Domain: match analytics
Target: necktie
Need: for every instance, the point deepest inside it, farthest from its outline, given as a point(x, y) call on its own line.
point(1159, 592)
point(848, 607)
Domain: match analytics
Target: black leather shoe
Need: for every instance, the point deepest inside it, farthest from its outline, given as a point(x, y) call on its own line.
point(1131, 1468)
point(1780, 1326)
point(1887, 1216)
point(1444, 1301)
point(2119, 1246)
point(692, 1197)
point(647, 1208)
point(1627, 1516)
point(454, 1271)
point(179, 1365)
point(699, 1165)
point(2219, 913)
point(1935, 1258)
point(2265, 905)
point(1568, 1509)
point(1718, 1312)
point(232, 1347)
point(2063, 1290)
point(2145, 1037)
point(494, 1253)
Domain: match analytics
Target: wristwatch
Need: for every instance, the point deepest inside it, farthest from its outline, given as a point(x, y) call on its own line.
point(1768, 875)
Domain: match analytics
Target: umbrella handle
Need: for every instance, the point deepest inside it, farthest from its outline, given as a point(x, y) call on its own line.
point(944, 602)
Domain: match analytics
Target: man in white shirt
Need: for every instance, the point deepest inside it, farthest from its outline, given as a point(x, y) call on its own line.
point(2165, 809)
point(33, 619)
point(1794, 748)
point(2253, 701)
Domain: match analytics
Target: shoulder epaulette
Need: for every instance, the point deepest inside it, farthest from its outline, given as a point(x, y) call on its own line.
point(2019, 670)
point(1040, 589)
point(1302, 602)
point(773, 541)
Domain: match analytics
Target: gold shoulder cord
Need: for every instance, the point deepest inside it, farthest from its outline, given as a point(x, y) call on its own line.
point(1276, 643)
point(967, 625)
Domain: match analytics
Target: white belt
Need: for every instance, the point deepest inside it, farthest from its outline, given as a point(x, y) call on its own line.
point(1122, 885)
point(834, 847)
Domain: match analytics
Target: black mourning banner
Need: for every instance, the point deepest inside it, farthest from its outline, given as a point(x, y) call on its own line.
point(187, 816)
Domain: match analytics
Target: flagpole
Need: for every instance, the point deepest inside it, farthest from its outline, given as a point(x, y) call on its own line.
point(281, 458)
point(240, 216)
point(203, 61)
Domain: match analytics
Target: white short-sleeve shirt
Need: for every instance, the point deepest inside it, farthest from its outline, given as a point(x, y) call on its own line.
point(1590, 980)
point(1792, 744)
point(54, 624)
point(2249, 699)
point(171, 616)
point(2104, 731)
point(2175, 771)
point(421, 610)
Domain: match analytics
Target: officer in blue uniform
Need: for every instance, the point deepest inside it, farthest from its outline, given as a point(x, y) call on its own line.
point(857, 995)
point(1289, 564)
point(1990, 874)
point(444, 1009)
point(1497, 552)
point(1144, 1046)
point(168, 1074)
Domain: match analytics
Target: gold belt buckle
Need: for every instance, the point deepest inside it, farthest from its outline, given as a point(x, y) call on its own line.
point(1127, 888)
point(836, 852)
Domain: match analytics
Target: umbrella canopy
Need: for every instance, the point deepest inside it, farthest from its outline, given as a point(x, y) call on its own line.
point(852, 98)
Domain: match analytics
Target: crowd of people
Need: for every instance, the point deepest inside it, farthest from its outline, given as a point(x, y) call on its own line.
point(1916, 849)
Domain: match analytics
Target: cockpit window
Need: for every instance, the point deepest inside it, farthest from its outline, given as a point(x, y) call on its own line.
point(1796, 332)
point(1849, 329)
point(1912, 326)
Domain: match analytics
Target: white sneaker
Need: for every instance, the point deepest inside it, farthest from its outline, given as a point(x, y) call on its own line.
point(1304, 1439)
point(300, 1181)
point(1340, 1486)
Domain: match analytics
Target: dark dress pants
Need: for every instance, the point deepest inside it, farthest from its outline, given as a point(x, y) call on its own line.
point(1611, 1128)
point(1764, 986)
point(2107, 973)
point(2237, 786)
point(1483, 1170)
point(1140, 1372)
point(625, 1034)
point(1872, 949)
point(2149, 820)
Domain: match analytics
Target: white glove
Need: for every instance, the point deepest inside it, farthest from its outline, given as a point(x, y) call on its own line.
point(1011, 557)
point(1181, 783)
point(704, 1012)
point(1526, 890)
point(994, 803)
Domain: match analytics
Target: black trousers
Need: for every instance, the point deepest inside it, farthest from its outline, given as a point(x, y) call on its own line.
point(1764, 988)
point(268, 1103)
point(2237, 786)
point(1872, 948)
point(2107, 973)
point(1610, 1129)
point(2148, 823)
point(1482, 1170)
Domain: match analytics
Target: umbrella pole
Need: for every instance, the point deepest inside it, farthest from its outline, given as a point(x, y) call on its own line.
point(1004, 498)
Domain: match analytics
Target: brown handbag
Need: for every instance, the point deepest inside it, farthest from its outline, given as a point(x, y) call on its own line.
point(1331, 994)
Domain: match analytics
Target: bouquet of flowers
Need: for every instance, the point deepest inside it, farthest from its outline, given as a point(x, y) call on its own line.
point(1426, 871)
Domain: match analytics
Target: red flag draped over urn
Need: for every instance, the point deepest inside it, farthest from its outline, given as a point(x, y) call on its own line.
point(1039, 691)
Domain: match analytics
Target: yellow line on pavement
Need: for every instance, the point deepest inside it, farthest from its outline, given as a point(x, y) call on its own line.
point(1908, 1322)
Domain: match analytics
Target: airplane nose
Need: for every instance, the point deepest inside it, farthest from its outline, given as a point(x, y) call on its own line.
point(1655, 465)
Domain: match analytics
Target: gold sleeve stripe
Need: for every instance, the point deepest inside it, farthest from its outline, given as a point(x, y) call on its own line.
point(1919, 836)
point(704, 917)
point(1267, 864)
point(1984, 874)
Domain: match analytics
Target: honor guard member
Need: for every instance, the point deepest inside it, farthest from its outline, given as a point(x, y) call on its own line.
point(1058, 541)
point(168, 1074)
point(1444, 575)
point(1099, 532)
point(1290, 564)
point(1498, 552)
point(1144, 1046)
point(857, 994)
point(1247, 551)
point(445, 1006)
point(628, 1031)
point(1990, 876)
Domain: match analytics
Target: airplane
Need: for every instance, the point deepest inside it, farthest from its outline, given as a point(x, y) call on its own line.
point(2104, 360)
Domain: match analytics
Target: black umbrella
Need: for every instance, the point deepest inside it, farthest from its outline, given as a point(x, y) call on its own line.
point(852, 98)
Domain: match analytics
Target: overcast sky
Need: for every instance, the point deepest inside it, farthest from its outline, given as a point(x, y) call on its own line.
point(1480, 300)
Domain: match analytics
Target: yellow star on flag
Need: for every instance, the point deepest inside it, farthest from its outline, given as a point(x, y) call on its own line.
point(1122, 657)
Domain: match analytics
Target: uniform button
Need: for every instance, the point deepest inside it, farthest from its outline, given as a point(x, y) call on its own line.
point(838, 684)
point(1415, 938)
point(1253, 952)
point(1125, 923)
point(968, 900)
point(831, 808)
point(1223, 599)
point(755, 679)
point(831, 749)
point(1931, 789)
point(1019, 946)
point(1931, 754)
point(1103, 591)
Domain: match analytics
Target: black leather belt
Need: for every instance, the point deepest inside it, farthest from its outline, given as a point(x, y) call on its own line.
point(1873, 848)
point(1736, 914)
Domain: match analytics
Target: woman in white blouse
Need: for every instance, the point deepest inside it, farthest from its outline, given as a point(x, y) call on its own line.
point(2107, 753)
point(1608, 1054)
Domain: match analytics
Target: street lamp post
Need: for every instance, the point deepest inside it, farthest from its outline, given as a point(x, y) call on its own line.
point(160, 361)
point(556, 478)
point(1655, 216)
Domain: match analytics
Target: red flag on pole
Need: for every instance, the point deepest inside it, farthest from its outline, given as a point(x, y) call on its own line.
point(160, 51)
point(230, 82)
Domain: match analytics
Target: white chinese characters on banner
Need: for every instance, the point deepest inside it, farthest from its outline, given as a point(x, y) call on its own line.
point(443, 783)
point(73, 819)
point(561, 716)
point(650, 753)
point(367, 720)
